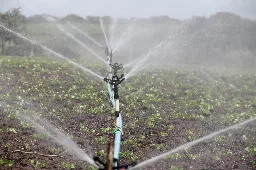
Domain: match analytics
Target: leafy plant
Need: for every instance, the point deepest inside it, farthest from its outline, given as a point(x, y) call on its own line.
point(68, 165)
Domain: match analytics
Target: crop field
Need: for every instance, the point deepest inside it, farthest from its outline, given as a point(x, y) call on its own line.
point(162, 109)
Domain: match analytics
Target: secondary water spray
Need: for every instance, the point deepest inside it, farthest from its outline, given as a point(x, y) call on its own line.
point(140, 62)
point(112, 31)
point(51, 51)
point(103, 30)
point(122, 39)
point(86, 35)
point(75, 39)
point(190, 144)
point(79, 42)
point(42, 126)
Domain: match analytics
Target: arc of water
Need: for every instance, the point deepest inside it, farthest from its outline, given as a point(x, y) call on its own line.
point(51, 51)
point(79, 42)
point(103, 30)
point(144, 58)
point(75, 39)
point(190, 144)
point(122, 38)
point(112, 31)
point(141, 60)
point(42, 125)
point(86, 35)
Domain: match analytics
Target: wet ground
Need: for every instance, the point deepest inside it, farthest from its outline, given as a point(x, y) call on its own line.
point(168, 108)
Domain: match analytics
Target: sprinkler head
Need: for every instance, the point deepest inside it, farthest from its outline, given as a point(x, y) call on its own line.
point(116, 67)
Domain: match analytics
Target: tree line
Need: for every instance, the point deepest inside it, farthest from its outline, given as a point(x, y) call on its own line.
point(221, 38)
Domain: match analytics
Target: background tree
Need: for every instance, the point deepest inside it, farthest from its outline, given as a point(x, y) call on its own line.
point(13, 20)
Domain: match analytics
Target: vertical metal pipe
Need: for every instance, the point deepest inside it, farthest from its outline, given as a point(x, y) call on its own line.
point(111, 94)
point(109, 165)
point(118, 133)
point(110, 91)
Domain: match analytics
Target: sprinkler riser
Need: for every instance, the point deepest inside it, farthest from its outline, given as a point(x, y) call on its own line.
point(118, 132)
point(111, 95)
point(115, 82)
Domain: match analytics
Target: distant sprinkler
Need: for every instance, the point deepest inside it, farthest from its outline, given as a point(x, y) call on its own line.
point(109, 54)
point(107, 50)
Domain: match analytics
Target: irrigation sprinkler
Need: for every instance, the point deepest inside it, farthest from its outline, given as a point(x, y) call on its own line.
point(113, 80)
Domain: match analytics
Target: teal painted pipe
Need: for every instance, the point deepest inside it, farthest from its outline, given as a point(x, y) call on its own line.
point(118, 133)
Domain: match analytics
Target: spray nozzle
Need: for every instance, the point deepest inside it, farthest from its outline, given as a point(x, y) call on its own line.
point(115, 80)
point(116, 67)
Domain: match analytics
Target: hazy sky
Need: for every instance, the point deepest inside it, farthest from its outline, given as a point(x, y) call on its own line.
point(133, 8)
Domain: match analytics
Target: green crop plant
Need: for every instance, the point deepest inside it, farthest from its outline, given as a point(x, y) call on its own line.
point(220, 138)
point(216, 158)
point(6, 162)
point(84, 128)
point(163, 134)
point(226, 153)
point(55, 150)
point(133, 141)
point(175, 168)
point(25, 124)
point(26, 147)
point(101, 140)
point(174, 156)
point(153, 119)
point(88, 167)
point(106, 130)
point(205, 108)
point(129, 155)
point(237, 117)
point(160, 146)
point(13, 130)
point(254, 102)
point(37, 164)
point(170, 127)
point(100, 152)
point(190, 135)
point(67, 165)
point(251, 150)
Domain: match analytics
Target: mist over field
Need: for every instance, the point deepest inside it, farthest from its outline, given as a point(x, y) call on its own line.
point(222, 39)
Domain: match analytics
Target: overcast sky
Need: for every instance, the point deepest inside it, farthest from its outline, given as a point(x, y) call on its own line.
point(133, 8)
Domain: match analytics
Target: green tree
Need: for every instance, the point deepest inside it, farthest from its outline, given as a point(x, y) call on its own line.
point(11, 19)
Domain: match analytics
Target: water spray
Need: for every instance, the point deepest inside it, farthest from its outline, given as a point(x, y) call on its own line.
point(103, 30)
point(73, 37)
point(51, 51)
point(192, 143)
point(90, 38)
